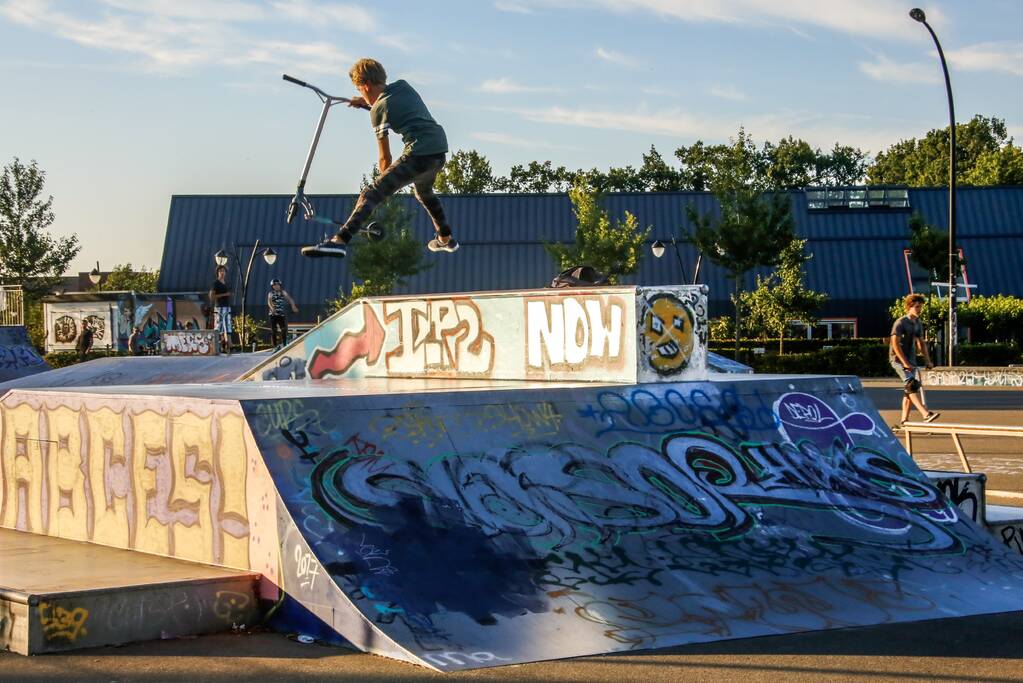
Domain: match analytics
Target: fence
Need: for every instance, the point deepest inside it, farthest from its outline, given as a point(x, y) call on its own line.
point(956, 431)
point(12, 306)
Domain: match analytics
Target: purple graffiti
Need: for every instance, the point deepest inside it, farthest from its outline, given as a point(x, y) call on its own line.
point(806, 417)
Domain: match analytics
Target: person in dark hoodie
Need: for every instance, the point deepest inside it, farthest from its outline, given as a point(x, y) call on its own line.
point(395, 106)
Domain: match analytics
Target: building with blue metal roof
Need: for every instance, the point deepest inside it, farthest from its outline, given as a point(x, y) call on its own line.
point(857, 248)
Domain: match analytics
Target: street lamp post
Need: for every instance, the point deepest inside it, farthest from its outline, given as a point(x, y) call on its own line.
point(917, 14)
point(269, 256)
point(658, 250)
point(94, 275)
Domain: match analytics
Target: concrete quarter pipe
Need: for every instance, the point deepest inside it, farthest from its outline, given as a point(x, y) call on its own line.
point(476, 529)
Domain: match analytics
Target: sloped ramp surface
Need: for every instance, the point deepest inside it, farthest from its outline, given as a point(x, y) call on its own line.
point(18, 358)
point(139, 370)
point(478, 528)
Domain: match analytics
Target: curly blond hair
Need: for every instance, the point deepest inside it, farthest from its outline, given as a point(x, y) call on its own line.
point(368, 71)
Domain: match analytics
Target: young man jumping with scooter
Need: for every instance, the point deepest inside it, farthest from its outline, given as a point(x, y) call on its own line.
point(395, 106)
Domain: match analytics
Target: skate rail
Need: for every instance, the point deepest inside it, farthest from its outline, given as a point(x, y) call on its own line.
point(955, 431)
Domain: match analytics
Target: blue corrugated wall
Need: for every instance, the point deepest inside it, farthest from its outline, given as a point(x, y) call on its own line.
point(857, 253)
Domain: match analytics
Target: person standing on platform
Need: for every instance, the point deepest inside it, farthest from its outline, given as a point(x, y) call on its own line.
point(278, 301)
point(220, 301)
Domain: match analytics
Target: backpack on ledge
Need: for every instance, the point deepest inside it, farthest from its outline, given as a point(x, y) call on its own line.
point(579, 276)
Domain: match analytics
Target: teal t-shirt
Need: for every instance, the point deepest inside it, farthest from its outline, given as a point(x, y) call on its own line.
point(401, 109)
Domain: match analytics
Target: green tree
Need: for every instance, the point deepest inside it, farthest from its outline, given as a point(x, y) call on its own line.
point(383, 265)
point(783, 295)
point(536, 178)
point(1000, 167)
point(656, 175)
point(753, 227)
point(924, 162)
point(793, 164)
point(125, 278)
point(929, 247)
point(614, 248)
point(31, 256)
point(466, 172)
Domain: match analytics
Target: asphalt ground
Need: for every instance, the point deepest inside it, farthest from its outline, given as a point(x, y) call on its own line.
point(982, 648)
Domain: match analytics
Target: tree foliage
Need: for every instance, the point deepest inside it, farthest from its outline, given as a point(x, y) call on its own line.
point(783, 296)
point(466, 172)
point(125, 278)
point(387, 263)
point(27, 248)
point(754, 226)
point(985, 155)
point(929, 247)
point(612, 247)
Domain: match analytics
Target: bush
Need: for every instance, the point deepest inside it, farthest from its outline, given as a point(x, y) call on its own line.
point(62, 359)
point(864, 360)
point(988, 355)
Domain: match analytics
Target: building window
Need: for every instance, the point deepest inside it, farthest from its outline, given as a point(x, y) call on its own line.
point(829, 328)
point(859, 198)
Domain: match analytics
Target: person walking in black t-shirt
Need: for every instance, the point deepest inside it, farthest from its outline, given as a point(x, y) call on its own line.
point(84, 344)
point(906, 338)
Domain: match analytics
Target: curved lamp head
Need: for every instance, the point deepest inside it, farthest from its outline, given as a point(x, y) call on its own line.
point(221, 258)
point(94, 274)
point(270, 256)
point(658, 248)
point(917, 14)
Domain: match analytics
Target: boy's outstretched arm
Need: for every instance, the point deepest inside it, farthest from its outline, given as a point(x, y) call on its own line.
point(385, 152)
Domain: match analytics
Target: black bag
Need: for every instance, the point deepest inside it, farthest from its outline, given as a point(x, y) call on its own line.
point(579, 276)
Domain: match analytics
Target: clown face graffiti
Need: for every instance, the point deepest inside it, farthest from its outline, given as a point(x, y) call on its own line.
point(668, 334)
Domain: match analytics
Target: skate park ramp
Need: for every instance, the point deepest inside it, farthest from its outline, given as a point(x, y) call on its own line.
point(138, 370)
point(461, 525)
point(18, 358)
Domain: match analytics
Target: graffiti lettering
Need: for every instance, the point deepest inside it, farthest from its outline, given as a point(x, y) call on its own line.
point(569, 331)
point(61, 623)
point(307, 568)
point(189, 342)
point(438, 336)
point(445, 659)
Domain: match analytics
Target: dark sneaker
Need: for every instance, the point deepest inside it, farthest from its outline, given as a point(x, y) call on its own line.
point(450, 246)
point(328, 248)
point(932, 416)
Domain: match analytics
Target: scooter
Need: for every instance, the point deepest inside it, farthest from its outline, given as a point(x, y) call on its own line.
point(300, 198)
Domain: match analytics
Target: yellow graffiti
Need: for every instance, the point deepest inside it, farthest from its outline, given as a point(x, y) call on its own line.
point(415, 426)
point(58, 622)
point(231, 606)
point(522, 420)
point(135, 474)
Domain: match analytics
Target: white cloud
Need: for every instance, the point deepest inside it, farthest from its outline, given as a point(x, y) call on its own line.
point(728, 92)
point(224, 10)
point(351, 17)
point(881, 68)
point(513, 141)
point(615, 57)
point(515, 7)
point(888, 19)
point(821, 130)
point(505, 86)
point(1003, 57)
point(173, 35)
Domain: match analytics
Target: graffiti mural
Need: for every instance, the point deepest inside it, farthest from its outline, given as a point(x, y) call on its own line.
point(637, 517)
point(672, 333)
point(179, 480)
point(549, 335)
point(189, 343)
point(982, 377)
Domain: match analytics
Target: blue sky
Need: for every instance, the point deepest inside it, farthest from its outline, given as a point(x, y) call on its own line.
point(126, 102)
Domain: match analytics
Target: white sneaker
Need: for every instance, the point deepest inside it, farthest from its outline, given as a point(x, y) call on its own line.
point(450, 246)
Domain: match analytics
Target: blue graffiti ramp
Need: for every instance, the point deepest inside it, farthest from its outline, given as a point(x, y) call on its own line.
point(476, 528)
point(18, 358)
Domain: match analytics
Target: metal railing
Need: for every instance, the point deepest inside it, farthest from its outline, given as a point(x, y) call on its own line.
point(955, 431)
point(12, 305)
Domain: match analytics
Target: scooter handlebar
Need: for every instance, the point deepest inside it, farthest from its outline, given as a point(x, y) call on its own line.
point(294, 80)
